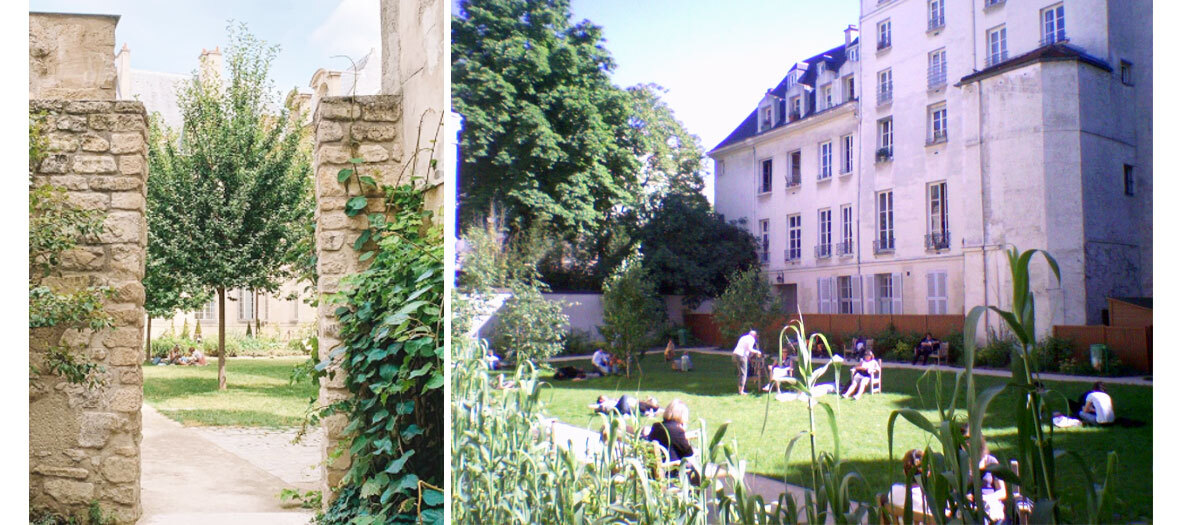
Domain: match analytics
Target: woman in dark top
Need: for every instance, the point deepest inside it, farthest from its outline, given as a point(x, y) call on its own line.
point(670, 433)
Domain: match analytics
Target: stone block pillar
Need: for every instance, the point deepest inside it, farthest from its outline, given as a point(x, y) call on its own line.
point(347, 127)
point(84, 443)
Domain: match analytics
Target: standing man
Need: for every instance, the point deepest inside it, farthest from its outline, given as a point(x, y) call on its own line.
point(741, 357)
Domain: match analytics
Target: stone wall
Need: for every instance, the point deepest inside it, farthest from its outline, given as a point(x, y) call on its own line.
point(346, 127)
point(70, 56)
point(84, 444)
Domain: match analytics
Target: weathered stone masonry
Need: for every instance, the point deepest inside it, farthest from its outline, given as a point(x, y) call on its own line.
point(84, 444)
point(347, 127)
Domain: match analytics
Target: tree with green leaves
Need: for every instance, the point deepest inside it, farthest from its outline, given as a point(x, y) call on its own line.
point(747, 302)
point(545, 130)
point(689, 250)
point(240, 189)
point(632, 310)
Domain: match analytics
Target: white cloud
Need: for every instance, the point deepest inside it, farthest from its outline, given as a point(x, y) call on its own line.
point(352, 29)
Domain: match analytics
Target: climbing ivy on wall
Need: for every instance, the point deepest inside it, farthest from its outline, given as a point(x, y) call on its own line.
point(391, 328)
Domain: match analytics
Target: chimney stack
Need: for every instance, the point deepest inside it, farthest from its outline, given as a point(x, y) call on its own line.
point(123, 73)
point(850, 32)
point(211, 64)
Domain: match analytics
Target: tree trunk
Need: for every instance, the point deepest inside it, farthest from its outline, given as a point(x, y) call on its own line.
point(148, 340)
point(221, 338)
point(257, 317)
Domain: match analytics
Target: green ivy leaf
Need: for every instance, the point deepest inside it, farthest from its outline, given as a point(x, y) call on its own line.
point(435, 382)
point(411, 431)
point(369, 181)
point(362, 239)
point(397, 464)
point(432, 497)
point(356, 160)
point(371, 488)
point(356, 205)
point(344, 174)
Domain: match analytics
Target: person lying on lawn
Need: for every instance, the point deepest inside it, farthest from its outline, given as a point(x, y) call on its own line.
point(862, 375)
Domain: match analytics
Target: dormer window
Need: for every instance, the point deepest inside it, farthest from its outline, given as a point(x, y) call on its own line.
point(765, 118)
point(796, 107)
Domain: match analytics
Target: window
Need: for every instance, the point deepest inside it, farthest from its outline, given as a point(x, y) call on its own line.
point(845, 247)
point(1053, 25)
point(885, 139)
point(849, 88)
point(854, 53)
point(245, 305)
point(1125, 73)
point(884, 35)
point(764, 185)
point(888, 293)
point(844, 291)
point(208, 312)
point(938, 234)
point(719, 167)
point(884, 242)
point(937, 124)
point(767, 115)
point(823, 247)
point(825, 160)
point(295, 309)
point(936, 70)
point(937, 15)
point(826, 90)
point(936, 296)
point(764, 228)
point(796, 108)
point(794, 238)
point(1128, 179)
point(997, 45)
point(846, 163)
point(795, 178)
point(885, 86)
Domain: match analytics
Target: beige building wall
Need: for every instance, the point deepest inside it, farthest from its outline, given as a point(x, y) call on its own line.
point(70, 56)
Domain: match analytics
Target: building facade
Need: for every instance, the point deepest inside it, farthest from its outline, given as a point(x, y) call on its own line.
point(981, 126)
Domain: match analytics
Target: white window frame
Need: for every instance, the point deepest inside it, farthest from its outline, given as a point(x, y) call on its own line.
point(936, 123)
point(846, 226)
point(719, 167)
point(1053, 24)
point(844, 295)
point(764, 228)
point(885, 237)
point(247, 305)
point(936, 292)
point(825, 160)
point(936, 68)
point(794, 237)
point(885, 134)
point(936, 14)
point(937, 213)
point(794, 168)
point(849, 86)
point(997, 45)
point(765, 176)
point(824, 238)
point(796, 106)
point(885, 291)
point(826, 91)
point(849, 153)
point(766, 119)
point(885, 85)
point(208, 312)
point(884, 35)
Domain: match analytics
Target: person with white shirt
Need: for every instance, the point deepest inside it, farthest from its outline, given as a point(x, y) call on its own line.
point(601, 361)
point(1099, 409)
point(741, 357)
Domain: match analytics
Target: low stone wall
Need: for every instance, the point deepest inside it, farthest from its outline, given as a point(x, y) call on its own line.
point(369, 123)
point(84, 443)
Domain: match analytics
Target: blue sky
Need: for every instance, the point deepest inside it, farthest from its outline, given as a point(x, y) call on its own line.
point(168, 36)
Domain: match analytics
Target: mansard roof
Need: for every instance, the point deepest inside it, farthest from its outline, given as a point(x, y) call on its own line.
point(833, 59)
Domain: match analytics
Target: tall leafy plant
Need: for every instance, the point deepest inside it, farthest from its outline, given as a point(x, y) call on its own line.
point(747, 302)
point(239, 180)
point(632, 310)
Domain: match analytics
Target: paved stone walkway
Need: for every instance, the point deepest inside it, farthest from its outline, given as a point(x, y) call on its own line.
point(1128, 380)
point(223, 476)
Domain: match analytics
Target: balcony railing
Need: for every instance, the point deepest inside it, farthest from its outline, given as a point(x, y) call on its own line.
point(844, 249)
point(884, 154)
point(824, 174)
point(936, 77)
point(996, 58)
point(763, 257)
point(883, 244)
point(823, 251)
point(938, 241)
point(939, 135)
point(884, 96)
point(936, 23)
point(993, 3)
point(794, 179)
point(1056, 37)
point(793, 254)
point(883, 44)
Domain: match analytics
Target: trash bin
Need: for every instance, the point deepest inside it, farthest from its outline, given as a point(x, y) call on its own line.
point(1098, 356)
point(682, 334)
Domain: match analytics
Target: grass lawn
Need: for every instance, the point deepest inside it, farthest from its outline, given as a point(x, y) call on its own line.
point(260, 393)
point(710, 391)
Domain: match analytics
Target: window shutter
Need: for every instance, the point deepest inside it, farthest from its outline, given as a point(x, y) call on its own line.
point(870, 283)
point(943, 296)
point(819, 295)
point(897, 299)
point(856, 294)
point(833, 296)
point(931, 293)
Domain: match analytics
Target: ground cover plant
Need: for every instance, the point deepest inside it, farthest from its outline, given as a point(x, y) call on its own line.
point(263, 395)
point(710, 393)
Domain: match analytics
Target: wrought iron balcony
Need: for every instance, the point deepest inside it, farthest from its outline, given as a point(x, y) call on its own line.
point(823, 251)
point(885, 96)
point(844, 249)
point(824, 174)
point(936, 77)
point(794, 179)
point(883, 244)
point(993, 59)
point(763, 257)
point(884, 154)
point(993, 3)
point(793, 254)
point(1056, 37)
point(936, 23)
point(938, 136)
point(938, 241)
point(884, 43)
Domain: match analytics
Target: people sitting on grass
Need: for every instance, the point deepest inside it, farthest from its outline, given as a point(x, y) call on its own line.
point(199, 358)
point(1097, 407)
point(927, 346)
point(602, 361)
point(671, 435)
point(910, 467)
point(993, 488)
point(492, 360)
point(627, 405)
point(569, 372)
point(741, 357)
point(862, 375)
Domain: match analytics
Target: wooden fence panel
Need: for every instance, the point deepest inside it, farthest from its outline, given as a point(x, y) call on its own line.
point(943, 325)
point(871, 324)
point(910, 323)
point(1129, 344)
point(844, 326)
point(703, 328)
